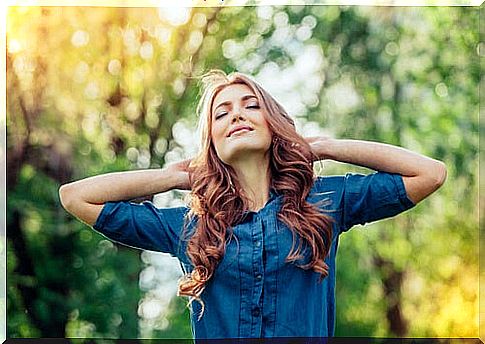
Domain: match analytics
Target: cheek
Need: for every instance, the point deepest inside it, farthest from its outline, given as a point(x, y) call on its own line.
point(269, 138)
point(268, 135)
point(217, 135)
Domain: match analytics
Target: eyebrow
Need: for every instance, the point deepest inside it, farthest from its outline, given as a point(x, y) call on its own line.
point(245, 97)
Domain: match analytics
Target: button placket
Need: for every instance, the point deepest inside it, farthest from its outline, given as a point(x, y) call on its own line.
point(257, 244)
point(256, 312)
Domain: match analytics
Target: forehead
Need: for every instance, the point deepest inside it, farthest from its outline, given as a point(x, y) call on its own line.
point(232, 93)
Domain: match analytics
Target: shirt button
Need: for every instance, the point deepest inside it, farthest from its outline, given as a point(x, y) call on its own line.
point(256, 311)
point(257, 243)
point(258, 276)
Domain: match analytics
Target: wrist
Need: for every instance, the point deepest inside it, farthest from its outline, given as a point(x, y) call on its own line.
point(173, 180)
point(166, 180)
point(180, 180)
point(324, 148)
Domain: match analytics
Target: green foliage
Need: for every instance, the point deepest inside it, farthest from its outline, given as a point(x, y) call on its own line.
point(101, 89)
point(80, 278)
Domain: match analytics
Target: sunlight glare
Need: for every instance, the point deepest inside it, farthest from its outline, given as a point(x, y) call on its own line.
point(14, 46)
point(80, 38)
point(175, 16)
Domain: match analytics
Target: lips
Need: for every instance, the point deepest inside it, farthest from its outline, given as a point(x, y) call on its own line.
point(238, 128)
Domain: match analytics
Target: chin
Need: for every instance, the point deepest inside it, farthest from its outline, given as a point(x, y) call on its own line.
point(241, 151)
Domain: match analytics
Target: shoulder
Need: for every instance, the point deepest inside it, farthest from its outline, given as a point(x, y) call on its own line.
point(349, 179)
point(146, 211)
point(336, 187)
point(328, 182)
point(328, 190)
point(175, 215)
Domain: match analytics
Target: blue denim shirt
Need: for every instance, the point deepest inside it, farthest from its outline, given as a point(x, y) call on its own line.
point(253, 292)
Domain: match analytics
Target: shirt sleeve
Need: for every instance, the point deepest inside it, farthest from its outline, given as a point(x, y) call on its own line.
point(142, 226)
point(367, 198)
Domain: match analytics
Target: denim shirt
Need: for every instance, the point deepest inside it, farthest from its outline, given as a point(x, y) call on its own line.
point(254, 292)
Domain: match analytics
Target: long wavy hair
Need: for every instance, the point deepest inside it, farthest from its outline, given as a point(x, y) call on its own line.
point(218, 202)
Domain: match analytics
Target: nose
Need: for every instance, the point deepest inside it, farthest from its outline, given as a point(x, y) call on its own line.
point(237, 116)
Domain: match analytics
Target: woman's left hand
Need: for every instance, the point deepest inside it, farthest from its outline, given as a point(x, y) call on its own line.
point(319, 146)
point(421, 175)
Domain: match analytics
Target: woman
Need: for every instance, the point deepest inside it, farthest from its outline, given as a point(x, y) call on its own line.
point(258, 241)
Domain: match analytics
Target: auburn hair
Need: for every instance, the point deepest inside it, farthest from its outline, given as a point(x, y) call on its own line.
point(218, 203)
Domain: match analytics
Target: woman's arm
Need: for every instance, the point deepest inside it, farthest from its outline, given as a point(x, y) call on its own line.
point(85, 198)
point(421, 175)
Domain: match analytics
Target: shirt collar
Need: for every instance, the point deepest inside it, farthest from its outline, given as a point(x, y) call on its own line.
point(273, 195)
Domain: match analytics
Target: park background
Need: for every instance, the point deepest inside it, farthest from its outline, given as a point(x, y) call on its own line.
point(94, 90)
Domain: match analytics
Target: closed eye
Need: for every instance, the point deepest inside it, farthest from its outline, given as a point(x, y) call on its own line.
point(221, 115)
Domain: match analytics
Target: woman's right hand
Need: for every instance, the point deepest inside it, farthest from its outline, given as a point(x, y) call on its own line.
point(85, 198)
point(181, 172)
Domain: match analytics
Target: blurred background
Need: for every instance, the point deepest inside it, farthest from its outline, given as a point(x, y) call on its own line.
point(93, 90)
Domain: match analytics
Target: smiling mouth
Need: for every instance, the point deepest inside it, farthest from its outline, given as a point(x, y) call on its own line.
point(242, 128)
point(240, 131)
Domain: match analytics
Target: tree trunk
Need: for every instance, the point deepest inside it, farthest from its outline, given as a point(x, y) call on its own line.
point(392, 281)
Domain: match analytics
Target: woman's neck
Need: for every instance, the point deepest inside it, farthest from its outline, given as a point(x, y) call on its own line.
point(254, 177)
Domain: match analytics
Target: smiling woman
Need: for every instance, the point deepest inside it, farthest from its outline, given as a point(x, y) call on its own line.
point(238, 125)
point(258, 241)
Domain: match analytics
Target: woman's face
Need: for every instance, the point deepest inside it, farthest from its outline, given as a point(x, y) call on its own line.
point(239, 124)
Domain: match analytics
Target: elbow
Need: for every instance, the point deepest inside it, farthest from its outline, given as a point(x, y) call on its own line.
point(436, 176)
point(441, 173)
point(424, 184)
point(65, 195)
